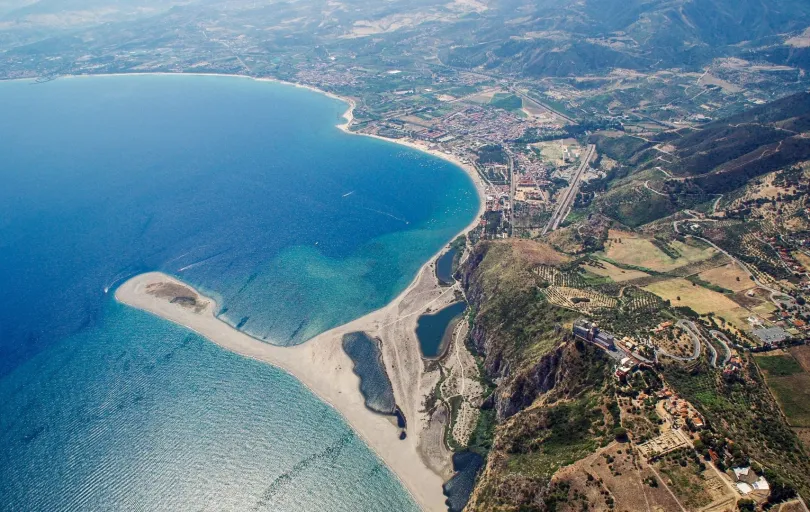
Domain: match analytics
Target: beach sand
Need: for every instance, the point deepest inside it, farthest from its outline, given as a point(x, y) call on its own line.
point(323, 366)
point(421, 461)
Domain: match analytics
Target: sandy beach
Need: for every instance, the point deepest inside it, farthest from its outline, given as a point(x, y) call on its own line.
point(421, 461)
point(323, 366)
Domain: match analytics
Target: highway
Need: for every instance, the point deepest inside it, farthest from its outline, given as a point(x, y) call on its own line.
point(561, 212)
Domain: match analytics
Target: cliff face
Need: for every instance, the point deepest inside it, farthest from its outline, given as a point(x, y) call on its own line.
point(550, 395)
point(514, 329)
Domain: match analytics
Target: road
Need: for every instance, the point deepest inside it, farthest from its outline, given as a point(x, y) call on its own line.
point(510, 164)
point(648, 187)
point(721, 339)
point(774, 293)
point(524, 95)
point(561, 212)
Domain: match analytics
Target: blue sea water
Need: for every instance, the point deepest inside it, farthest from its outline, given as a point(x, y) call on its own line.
point(244, 189)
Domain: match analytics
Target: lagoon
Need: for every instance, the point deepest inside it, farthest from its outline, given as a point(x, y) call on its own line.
point(245, 190)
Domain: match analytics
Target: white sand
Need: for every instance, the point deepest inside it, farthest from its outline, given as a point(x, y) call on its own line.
point(421, 461)
point(323, 366)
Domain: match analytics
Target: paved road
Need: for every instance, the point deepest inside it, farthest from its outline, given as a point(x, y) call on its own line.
point(676, 227)
point(561, 212)
point(723, 340)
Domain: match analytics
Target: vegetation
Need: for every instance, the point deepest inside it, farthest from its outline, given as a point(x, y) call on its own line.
point(491, 154)
point(778, 365)
point(742, 409)
point(507, 101)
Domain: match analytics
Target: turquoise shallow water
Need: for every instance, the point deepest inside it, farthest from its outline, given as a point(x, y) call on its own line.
point(138, 414)
point(244, 189)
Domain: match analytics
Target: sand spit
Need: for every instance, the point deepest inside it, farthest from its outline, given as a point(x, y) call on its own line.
point(421, 461)
point(323, 366)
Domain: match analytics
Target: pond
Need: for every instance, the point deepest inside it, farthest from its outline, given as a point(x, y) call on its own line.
point(435, 329)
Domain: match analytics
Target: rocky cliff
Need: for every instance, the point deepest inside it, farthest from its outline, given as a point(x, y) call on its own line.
point(549, 396)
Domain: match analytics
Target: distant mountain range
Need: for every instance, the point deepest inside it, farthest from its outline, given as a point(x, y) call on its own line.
point(560, 38)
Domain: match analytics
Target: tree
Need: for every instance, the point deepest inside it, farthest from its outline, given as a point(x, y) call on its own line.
point(746, 505)
point(620, 433)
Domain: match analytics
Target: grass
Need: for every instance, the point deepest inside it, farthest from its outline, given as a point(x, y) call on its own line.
point(615, 273)
point(730, 276)
point(642, 253)
point(686, 481)
point(709, 286)
point(571, 433)
point(778, 365)
point(506, 101)
point(790, 385)
point(700, 299)
point(793, 395)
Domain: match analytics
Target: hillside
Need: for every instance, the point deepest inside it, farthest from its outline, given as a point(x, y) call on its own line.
point(569, 433)
point(676, 170)
point(557, 38)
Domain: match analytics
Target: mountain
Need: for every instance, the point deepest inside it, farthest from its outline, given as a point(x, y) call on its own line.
point(680, 169)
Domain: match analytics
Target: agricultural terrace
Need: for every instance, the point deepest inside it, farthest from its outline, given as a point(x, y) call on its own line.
point(646, 253)
point(789, 382)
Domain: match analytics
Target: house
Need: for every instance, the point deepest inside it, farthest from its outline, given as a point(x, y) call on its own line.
point(747, 481)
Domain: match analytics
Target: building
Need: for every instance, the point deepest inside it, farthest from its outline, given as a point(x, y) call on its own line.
point(747, 481)
point(589, 331)
point(771, 335)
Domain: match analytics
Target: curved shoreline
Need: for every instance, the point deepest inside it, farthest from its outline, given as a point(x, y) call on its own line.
point(322, 365)
point(348, 115)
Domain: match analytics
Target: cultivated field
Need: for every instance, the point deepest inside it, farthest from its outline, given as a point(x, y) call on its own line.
point(606, 269)
point(802, 355)
point(790, 383)
point(632, 249)
point(700, 299)
point(730, 277)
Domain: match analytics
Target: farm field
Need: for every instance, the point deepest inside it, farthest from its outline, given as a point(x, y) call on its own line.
point(631, 249)
point(606, 269)
point(730, 277)
point(790, 383)
point(701, 300)
point(802, 355)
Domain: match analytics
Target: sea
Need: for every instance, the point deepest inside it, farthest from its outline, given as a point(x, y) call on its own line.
point(248, 191)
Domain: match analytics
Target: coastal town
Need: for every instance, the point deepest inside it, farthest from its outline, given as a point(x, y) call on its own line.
point(624, 325)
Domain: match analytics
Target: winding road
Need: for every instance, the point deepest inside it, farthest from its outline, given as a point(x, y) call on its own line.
point(692, 330)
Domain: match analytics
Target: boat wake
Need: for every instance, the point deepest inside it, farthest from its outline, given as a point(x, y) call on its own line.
point(386, 214)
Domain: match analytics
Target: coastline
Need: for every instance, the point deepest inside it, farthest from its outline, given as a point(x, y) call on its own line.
point(326, 370)
point(345, 127)
point(421, 462)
